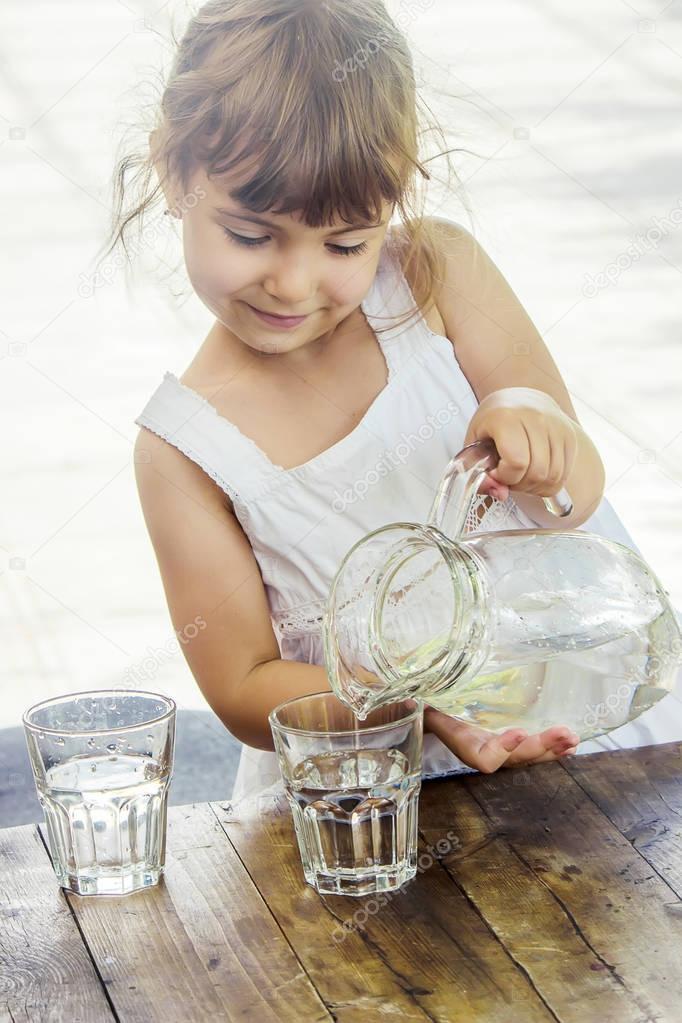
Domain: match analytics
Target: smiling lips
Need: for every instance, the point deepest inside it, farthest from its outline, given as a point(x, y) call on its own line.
point(282, 316)
point(278, 321)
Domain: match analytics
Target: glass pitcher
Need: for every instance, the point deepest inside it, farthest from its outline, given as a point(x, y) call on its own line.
point(517, 628)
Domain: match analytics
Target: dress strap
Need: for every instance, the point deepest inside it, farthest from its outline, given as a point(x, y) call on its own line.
point(389, 300)
point(190, 423)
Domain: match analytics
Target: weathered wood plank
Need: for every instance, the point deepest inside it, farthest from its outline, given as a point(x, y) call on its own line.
point(422, 953)
point(200, 946)
point(575, 905)
point(45, 971)
point(640, 791)
point(529, 905)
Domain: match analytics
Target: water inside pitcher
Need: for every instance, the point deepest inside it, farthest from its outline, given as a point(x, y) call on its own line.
point(517, 628)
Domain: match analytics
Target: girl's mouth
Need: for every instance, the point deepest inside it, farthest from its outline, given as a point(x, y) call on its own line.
point(285, 322)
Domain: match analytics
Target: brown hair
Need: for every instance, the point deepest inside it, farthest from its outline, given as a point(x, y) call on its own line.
point(317, 99)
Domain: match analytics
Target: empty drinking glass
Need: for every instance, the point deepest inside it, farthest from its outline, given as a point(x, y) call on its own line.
point(102, 763)
point(353, 787)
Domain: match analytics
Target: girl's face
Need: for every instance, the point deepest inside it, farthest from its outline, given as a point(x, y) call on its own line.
point(239, 262)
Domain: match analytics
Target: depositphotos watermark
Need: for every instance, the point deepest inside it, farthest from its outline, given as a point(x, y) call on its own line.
point(146, 669)
point(392, 459)
point(410, 11)
point(372, 906)
point(89, 283)
point(649, 674)
point(642, 244)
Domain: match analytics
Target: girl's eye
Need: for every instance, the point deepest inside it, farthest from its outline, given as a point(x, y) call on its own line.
point(340, 250)
point(241, 240)
point(352, 250)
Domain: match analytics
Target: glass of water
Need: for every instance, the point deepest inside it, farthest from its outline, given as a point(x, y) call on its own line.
point(102, 763)
point(353, 787)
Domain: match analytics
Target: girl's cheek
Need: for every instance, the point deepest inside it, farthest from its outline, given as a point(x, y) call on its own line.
point(216, 273)
point(349, 292)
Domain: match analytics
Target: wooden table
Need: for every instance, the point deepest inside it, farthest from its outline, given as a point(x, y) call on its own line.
point(546, 893)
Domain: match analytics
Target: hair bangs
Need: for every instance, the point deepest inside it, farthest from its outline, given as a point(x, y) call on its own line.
point(307, 147)
point(294, 106)
point(323, 190)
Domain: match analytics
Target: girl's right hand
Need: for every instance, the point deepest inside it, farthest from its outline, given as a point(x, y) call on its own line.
point(486, 751)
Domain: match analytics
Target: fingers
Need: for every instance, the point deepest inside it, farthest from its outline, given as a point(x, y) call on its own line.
point(548, 745)
point(515, 455)
point(488, 752)
point(475, 746)
point(488, 755)
point(540, 460)
point(537, 452)
point(531, 459)
point(555, 472)
point(514, 748)
point(570, 452)
point(544, 474)
point(546, 758)
point(500, 491)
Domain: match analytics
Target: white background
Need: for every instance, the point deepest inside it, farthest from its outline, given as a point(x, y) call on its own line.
point(574, 111)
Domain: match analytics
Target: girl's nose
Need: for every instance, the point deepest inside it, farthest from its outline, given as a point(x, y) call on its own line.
point(292, 283)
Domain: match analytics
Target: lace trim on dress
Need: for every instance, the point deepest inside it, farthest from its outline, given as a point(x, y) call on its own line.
point(302, 620)
point(269, 468)
point(487, 514)
point(187, 450)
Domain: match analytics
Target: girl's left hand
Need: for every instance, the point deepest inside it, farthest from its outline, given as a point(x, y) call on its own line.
point(487, 751)
point(537, 442)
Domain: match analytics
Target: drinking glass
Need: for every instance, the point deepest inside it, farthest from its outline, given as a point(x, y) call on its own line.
point(102, 763)
point(353, 787)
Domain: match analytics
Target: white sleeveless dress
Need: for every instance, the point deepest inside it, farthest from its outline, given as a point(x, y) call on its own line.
point(302, 521)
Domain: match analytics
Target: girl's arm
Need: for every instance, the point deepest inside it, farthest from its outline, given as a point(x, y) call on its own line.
point(212, 583)
point(503, 356)
point(215, 594)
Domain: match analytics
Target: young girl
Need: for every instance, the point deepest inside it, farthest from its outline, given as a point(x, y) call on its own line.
point(357, 346)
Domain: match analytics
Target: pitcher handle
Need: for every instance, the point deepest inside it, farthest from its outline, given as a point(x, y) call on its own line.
point(461, 480)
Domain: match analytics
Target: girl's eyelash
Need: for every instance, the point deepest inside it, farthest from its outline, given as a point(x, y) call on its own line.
point(340, 250)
